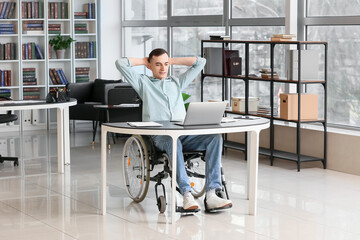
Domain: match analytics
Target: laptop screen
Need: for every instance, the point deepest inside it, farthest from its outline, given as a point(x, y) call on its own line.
point(203, 113)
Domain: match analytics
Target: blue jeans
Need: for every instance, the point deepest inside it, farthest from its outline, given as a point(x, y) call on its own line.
point(212, 144)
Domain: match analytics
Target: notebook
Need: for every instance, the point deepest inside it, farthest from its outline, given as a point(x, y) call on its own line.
point(203, 113)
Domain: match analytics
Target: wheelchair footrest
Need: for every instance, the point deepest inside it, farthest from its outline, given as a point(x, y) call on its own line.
point(182, 210)
point(213, 210)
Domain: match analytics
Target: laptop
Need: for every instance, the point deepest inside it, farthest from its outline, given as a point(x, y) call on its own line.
point(203, 113)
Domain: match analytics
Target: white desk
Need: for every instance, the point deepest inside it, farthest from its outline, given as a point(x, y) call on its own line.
point(253, 127)
point(63, 146)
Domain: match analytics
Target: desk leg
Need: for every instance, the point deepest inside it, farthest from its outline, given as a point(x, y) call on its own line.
point(173, 179)
point(60, 139)
point(252, 158)
point(66, 135)
point(103, 170)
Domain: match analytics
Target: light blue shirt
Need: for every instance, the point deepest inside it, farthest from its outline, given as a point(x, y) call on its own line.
point(162, 99)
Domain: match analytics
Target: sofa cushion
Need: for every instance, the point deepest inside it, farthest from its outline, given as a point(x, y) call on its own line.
point(98, 94)
point(81, 91)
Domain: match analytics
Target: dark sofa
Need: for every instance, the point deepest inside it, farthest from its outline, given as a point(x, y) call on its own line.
point(88, 94)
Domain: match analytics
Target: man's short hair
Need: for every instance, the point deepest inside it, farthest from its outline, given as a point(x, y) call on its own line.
point(157, 52)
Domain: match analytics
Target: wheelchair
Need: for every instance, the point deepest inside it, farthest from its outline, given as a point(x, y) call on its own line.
point(140, 156)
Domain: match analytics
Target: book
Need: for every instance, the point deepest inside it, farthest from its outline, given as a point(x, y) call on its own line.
point(2, 14)
point(39, 54)
point(284, 36)
point(11, 11)
point(52, 77)
point(276, 39)
point(234, 66)
point(219, 37)
point(33, 32)
point(63, 76)
point(1, 6)
point(7, 11)
point(56, 76)
point(227, 55)
point(58, 73)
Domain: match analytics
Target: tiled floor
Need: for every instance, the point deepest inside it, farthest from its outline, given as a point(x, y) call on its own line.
point(37, 203)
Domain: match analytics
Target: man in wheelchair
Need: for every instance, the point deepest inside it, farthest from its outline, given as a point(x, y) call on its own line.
point(162, 101)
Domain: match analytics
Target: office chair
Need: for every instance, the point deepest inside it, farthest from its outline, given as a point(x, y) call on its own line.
point(5, 118)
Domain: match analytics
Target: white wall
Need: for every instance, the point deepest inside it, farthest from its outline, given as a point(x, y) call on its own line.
point(110, 38)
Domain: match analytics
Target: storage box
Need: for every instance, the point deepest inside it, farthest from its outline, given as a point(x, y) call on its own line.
point(289, 106)
point(309, 65)
point(238, 104)
point(214, 100)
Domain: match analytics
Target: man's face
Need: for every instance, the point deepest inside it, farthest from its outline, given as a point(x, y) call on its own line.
point(159, 65)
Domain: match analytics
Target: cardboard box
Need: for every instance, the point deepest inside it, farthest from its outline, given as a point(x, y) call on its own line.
point(289, 106)
point(213, 100)
point(238, 104)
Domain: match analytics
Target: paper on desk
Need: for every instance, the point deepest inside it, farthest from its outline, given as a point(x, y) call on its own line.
point(128, 105)
point(227, 120)
point(144, 124)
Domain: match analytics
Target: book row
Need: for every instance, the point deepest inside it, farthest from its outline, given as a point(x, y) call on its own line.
point(88, 13)
point(6, 28)
point(5, 92)
point(82, 74)
point(31, 51)
point(85, 49)
point(33, 26)
point(7, 51)
point(57, 76)
point(32, 9)
point(54, 28)
point(81, 28)
point(5, 78)
point(58, 10)
point(7, 10)
point(31, 93)
point(29, 76)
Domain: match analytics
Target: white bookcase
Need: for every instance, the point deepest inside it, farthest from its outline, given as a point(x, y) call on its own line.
point(40, 119)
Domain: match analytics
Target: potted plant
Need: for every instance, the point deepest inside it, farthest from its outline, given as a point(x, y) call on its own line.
point(60, 44)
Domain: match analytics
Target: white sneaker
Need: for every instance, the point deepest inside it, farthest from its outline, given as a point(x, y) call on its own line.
point(214, 202)
point(189, 202)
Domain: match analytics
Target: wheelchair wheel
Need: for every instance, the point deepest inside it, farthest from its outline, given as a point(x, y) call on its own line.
point(136, 168)
point(161, 203)
point(195, 169)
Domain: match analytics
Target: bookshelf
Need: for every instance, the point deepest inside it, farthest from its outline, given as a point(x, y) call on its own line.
point(26, 31)
point(85, 49)
point(248, 78)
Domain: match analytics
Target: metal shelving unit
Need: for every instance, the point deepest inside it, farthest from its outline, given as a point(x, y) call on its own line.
point(271, 151)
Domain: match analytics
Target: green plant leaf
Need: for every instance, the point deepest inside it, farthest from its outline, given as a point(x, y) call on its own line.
point(61, 43)
point(185, 96)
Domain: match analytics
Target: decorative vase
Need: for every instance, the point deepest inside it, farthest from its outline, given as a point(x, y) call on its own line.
point(60, 54)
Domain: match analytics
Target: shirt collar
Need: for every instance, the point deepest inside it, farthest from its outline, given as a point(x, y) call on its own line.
point(153, 79)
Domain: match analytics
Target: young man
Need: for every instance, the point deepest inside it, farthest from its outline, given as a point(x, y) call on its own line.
point(162, 101)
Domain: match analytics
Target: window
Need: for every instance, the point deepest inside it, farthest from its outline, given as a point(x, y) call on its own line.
point(259, 57)
point(258, 8)
point(197, 7)
point(139, 42)
point(187, 42)
point(145, 10)
point(333, 8)
point(343, 71)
